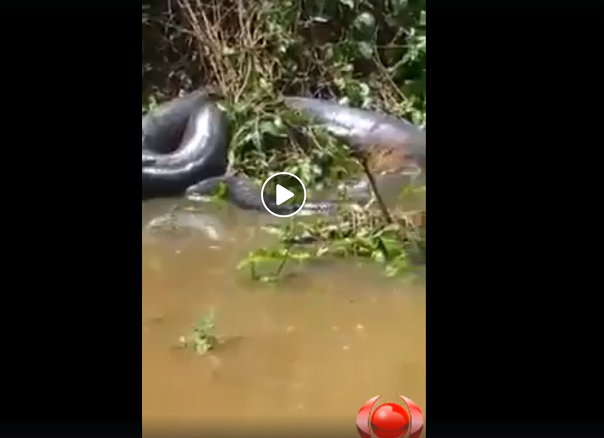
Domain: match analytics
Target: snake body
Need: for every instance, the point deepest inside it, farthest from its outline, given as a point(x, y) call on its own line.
point(185, 147)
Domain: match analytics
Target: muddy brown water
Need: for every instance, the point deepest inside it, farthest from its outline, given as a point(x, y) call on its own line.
point(310, 351)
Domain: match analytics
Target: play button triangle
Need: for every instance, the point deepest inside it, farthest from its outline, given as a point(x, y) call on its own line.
point(283, 194)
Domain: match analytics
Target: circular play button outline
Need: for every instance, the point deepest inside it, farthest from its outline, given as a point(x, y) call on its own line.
point(264, 203)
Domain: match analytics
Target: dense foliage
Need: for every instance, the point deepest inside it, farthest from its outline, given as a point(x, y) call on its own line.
point(369, 53)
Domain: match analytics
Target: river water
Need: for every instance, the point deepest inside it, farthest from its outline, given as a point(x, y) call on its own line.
point(311, 350)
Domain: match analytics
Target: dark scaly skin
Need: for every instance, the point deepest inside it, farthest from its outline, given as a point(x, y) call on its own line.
point(203, 134)
point(243, 193)
point(185, 148)
point(164, 126)
point(392, 144)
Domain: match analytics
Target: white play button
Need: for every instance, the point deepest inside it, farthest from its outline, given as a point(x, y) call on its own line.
point(280, 194)
point(283, 194)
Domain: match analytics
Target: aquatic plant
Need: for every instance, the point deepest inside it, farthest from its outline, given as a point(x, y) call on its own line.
point(202, 338)
point(395, 239)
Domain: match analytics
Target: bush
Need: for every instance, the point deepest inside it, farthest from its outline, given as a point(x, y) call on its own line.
point(369, 53)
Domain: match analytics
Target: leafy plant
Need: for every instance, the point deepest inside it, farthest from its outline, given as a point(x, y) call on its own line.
point(202, 338)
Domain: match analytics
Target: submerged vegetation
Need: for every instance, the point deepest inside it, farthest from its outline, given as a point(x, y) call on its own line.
point(202, 338)
point(368, 53)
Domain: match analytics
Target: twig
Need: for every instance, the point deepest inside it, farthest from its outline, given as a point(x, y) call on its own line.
point(376, 192)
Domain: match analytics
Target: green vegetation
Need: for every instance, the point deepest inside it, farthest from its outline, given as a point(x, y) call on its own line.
point(202, 339)
point(357, 233)
point(369, 53)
